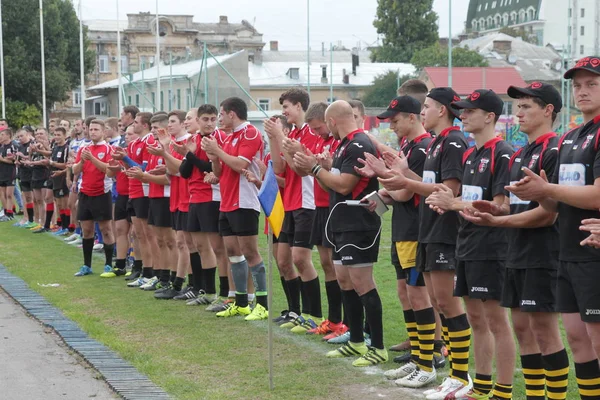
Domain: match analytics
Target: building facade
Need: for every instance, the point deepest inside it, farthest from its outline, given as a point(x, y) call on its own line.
point(559, 23)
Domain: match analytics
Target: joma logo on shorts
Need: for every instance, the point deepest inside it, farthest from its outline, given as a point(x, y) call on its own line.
point(347, 258)
point(479, 289)
point(592, 312)
point(528, 302)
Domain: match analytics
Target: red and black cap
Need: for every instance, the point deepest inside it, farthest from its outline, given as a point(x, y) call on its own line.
point(484, 99)
point(405, 104)
point(544, 91)
point(445, 96)
point(591, 64)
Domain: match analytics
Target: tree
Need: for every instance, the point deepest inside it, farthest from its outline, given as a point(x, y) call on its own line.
point(383, 89)
point(406, 26)
point(514, 32)
point(22, 58)
point(437, 56)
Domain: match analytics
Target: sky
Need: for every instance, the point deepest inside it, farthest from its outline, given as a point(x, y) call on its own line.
point(331, 21)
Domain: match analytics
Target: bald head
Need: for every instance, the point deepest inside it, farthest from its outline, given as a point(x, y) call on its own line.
point(340, 119)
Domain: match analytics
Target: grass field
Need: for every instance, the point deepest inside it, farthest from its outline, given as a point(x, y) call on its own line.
point(192, 354)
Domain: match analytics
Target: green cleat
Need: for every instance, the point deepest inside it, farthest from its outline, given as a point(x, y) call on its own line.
point(349, 350)
point(234, 310)
point(258, 314)
point(372, 357)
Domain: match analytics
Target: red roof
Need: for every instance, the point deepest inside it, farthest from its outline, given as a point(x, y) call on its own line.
point(467, 79)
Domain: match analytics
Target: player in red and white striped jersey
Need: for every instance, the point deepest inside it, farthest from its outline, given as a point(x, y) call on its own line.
point(95, 202)
point(238, 221)
point(299, 205)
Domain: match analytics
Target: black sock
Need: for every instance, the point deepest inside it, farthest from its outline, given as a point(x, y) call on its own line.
point(587, 377)
point(209, 280)
point(30, 214)
point(190, 280)
point(172, 276)
point(286, 291)
point(164, 277)
point(304, 298)
point(49, 214)
point(223, 286)
point(66, 221)
point(88, 247)
point(556, 368)
point(334, 301)
point(355, 313)
point(367, 327)
point(137, 265)
point(535, 378)
point(108, 253)
point(241, 299)
point(374, 313)
point(120, 264)
point(147, 272)
point(178, 283)
point(294, 289)
point(196, 264)
point(313, 291)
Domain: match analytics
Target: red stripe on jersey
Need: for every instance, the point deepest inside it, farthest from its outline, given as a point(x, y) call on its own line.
point(157, 191)
point(329, 144)
point(299, 192)
point(137, 151)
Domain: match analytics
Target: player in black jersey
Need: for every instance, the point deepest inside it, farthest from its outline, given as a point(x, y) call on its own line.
point(530, 277)
point(24, 173)
point(481, 251)
point(58, 168)
point(574, 191)
point(354, 267)
point(8, 173)
point(437, 233)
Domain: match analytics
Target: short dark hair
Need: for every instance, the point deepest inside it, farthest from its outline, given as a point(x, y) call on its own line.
point(60, 129)
point(284, 122)
point(295, 96)
point(180, 114)
point(160, 113)
point(357, 104)
point(89, 120)
point(145, 118)
point(414, 88)
point(208, 109)
point(237, 105)
point(316, 111)
point(160, 119)
point(131, 110)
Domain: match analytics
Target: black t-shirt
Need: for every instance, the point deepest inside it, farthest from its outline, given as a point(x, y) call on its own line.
point(485, 176)
point(8, 172)
point(537, 247)
point(24, 171)
point(40, 172)
point(578, 165)
point(444, 161)
point(346, 218)
point(60, 154)
point(405, 218)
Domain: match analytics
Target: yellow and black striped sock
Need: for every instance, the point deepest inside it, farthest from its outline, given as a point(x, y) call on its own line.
point(446, 342)
point(535, 378)
point(588, 379)
point(459, 333)
point(413, 334)
point(556, 368)
point(426, 334)
point(482, 384)
point(502, 391)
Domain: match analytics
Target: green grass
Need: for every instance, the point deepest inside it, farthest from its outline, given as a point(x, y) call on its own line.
point(192, 354)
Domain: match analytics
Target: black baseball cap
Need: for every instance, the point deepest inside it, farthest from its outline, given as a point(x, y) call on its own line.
point(546, 92)
point(591, 64)
point(445, 96)
point(484, 99)
point(400, 104)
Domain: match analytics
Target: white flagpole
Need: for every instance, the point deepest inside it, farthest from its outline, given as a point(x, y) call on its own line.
point(157, 63)
point(45, 122)
point(2, 66)
point(81, 61)
point(120, 71)
point(270, 305)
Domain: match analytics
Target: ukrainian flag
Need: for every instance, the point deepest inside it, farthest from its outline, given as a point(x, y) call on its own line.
point(270, 200)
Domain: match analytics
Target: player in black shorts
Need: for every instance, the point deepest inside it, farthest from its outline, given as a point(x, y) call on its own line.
point(8, 173)
point(25, 139)
point(481, 251)
point(574, 192)
point(353, 266)
point(38, 160)
point(58, 165)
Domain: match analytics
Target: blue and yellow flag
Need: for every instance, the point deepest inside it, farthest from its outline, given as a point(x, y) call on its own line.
point(270, 200)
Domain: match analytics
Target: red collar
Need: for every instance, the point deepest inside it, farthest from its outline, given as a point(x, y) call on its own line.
point(447, 131)
point(492, 142)
point(543, 138)
point(351, 135)
point(421, 137)
point(597, 119)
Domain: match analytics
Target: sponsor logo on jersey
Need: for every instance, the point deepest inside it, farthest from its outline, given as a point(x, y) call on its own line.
point(458, 146)
point(101, 156)
point(534, 158)
point(436, 150)
point(483, 163)
point(587, 141)
point(234, 142)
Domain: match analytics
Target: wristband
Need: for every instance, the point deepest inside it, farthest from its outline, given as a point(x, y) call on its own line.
point(315, 168)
